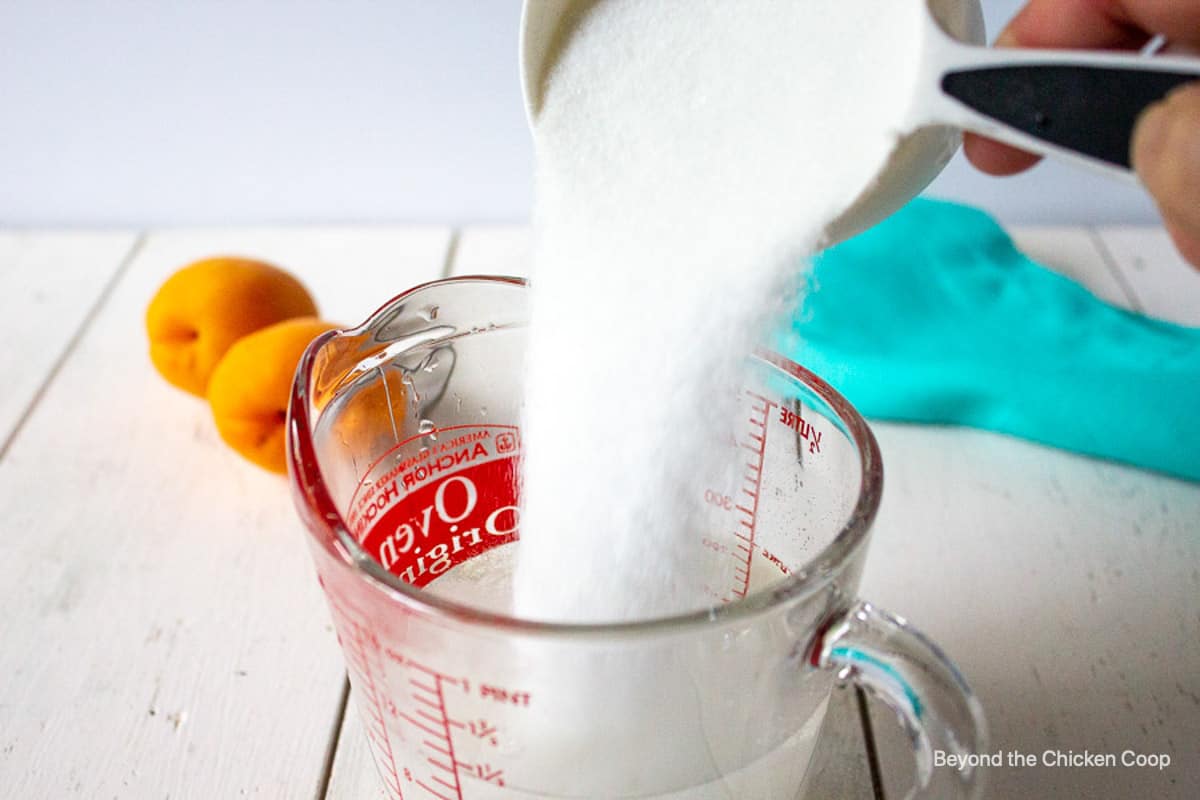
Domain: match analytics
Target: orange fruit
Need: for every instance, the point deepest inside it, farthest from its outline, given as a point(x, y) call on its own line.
point(201, 310)
point(371, 419)
point(250, 387)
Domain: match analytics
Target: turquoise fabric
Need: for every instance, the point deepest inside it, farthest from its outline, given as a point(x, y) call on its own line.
point(933, 316)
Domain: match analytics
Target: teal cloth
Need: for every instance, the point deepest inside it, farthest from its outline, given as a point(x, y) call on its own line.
point(933, 316)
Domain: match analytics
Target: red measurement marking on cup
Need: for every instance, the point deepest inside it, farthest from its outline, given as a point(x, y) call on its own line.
point(361, 648)
point(438, 731)
point(747, 505)
point(796, 422)
point(431, 720)
point(383, 677)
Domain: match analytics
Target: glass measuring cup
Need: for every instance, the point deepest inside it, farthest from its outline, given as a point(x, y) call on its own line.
point(404, 445)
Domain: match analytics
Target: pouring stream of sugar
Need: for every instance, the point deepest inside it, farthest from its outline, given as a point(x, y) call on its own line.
point(686, 164)
point(688, 159)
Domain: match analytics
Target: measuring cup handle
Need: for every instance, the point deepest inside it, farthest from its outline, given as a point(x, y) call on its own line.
point(882, 654)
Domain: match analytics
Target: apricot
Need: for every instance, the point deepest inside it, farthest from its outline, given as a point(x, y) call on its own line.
point(201, 310)
point(371, 419)
point(249, 389)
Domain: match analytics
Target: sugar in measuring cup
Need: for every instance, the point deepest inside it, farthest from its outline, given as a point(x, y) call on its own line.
point(404, 443)
point(1074, 105)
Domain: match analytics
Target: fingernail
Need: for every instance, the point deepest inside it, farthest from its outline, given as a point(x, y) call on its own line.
point(1150, 135)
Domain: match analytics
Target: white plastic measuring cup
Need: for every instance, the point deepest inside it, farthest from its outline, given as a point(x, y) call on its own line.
point(404, 442)
point(1075, 105)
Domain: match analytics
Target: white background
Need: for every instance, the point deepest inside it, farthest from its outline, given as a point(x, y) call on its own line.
point(152, 112)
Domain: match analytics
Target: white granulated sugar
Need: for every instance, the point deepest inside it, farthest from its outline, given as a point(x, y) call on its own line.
point(689, 155)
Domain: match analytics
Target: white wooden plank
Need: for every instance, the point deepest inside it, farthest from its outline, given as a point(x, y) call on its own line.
point(494, 250)
point(163, 633)
point(48, 283)
point(1066, 589)
point(1164, 285)
point(1071, 251)
point(894, 753)
point(354, 776)
point(840, 768)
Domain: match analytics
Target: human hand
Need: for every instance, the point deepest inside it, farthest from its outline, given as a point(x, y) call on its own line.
point(1166, 141)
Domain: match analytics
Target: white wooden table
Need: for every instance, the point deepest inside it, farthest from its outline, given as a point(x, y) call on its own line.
point(162, 633)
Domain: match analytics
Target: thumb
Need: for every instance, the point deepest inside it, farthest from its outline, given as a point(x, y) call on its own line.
point(1166, 155)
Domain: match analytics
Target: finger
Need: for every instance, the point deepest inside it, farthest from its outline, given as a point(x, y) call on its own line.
point(1166, 155)
point(1094, 24)
point(1178, 20)
point(990, 156)
point(1072, 24)
point(995, 158)
point(1186, 242)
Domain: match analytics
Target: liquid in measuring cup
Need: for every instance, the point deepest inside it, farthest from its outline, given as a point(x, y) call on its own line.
point(458, 730)
point(485, 581)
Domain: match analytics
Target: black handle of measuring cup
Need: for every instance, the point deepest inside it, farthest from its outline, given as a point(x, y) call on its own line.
point(1089, 110)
